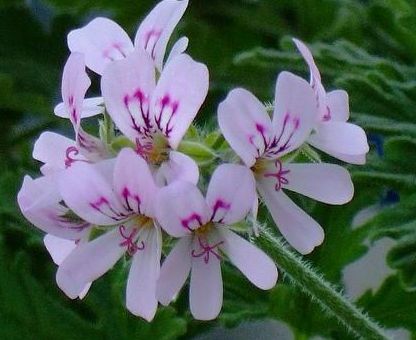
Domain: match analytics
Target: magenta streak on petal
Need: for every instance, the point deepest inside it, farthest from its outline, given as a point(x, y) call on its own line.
point(144, 129)
point(129, 241)
point(127, 195)
point(279, 175)
point(102, 203)
point(166, 103)
point(155, 34)
point(327, 115)
point(70, 153)
point(219, 204)
point(114, 47)
point(206, 250)
point(187, 221)
point(72, 109)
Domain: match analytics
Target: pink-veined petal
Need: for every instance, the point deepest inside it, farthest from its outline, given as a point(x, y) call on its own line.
point(53, 150)
point(339, 138)
point(245, 124)
point(144, 272)
point(179, 167)
point(58, 248)
point(249, 259)
point(205, 291)
point(328, 183)
point(75, 83)
point(175, 270)
point(88, 262)
point(180, 92)
point(181, 208)
point(155, 30)
point(338, 105)
point(133, 183)
point(101, 41)
point(91, 147)
point(127, 86)
point(294, 115)
point(298, 228)
point(39, 200)
point(231, 193)
point(89, 193)
point(178, 48)
point(307, 55)
point(90, 107)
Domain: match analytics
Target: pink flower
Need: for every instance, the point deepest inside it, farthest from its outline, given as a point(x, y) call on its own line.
point(203, 225)
point(119, 195)
point(332, 133)
point(103, 41)
point(264, 144)
point(156, 116)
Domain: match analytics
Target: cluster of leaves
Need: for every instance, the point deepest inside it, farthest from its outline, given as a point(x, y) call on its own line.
point(365, 47)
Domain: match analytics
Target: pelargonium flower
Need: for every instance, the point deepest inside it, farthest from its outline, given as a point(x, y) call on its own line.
point(203, 226)
point(103, 41)
point(118, 196)
point(153, 115)
point(332, 133)
point(263, 143)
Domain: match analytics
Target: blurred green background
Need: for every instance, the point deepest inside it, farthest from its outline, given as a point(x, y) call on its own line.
point(367, 47)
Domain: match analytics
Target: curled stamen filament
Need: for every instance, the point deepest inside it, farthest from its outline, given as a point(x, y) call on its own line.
point(207, 250)
point(279, 175)
point(70, 153)
point(132, 246)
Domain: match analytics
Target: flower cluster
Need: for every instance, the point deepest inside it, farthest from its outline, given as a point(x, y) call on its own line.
point(128, 190)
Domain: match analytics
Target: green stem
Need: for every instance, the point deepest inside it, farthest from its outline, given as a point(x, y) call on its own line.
point(320, 290)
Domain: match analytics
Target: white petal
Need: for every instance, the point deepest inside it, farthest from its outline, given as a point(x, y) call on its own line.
point(75, 83)
point(338, 105)
point(180, 92)
point(352, 159)
point(249, 259)
point(127, 86)
point(179, 167)
point(144, 272)
point(340, 138)
point(155, 30)
point(328, 183)
point(175, 269)
point(181, 208)
point(231, 193)
point(298, 228)
point(178, 48)
point(90, 107)
point(89, 194)
point(295, 113)
point(134, 184)
point(102, 41)
point(58, 248)
point(205, 292)
point(88, 262)
point(91, 147)
point(39, 200)
point(245, 124)
point(307, 55)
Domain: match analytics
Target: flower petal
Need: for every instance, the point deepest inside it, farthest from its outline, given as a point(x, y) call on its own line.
point(180, 92)
point(175, 269)
point(75, 83)
point(39, 200)
point(249, 259)
point(298, 228)
point(178, 48)
point(181, 208)
point(328, 183)
point(133, 183)
point(88, 192)
point(90, 107)
point(340, 138)
point(307, 55)
point(155, 30)
point(88, 262)
point(126, 86)
point(231, 193)
point(58, 248)
point(102, 41)
point(144, 272)
point(205, 291)
point(338, 105)
point(294, 114)
point(179, 167)
point(245, 124)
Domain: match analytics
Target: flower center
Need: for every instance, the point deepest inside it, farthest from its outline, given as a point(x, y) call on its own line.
point(130, 235)
point(155, 152)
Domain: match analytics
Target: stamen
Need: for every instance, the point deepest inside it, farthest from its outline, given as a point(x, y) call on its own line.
point(70, 153)
point(279, 175)
point(207, 250)
point(129, 242)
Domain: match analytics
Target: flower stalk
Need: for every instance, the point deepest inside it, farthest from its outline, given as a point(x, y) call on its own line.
point(320, 290)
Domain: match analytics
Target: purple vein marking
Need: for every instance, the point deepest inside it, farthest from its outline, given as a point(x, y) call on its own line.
point(127, 195)
point(101, 203)
point(187, 221)
point(166, 103)
point(220, 204)
point(153, 33)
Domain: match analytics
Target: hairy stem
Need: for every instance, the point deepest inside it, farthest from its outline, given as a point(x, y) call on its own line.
point(320, 290)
